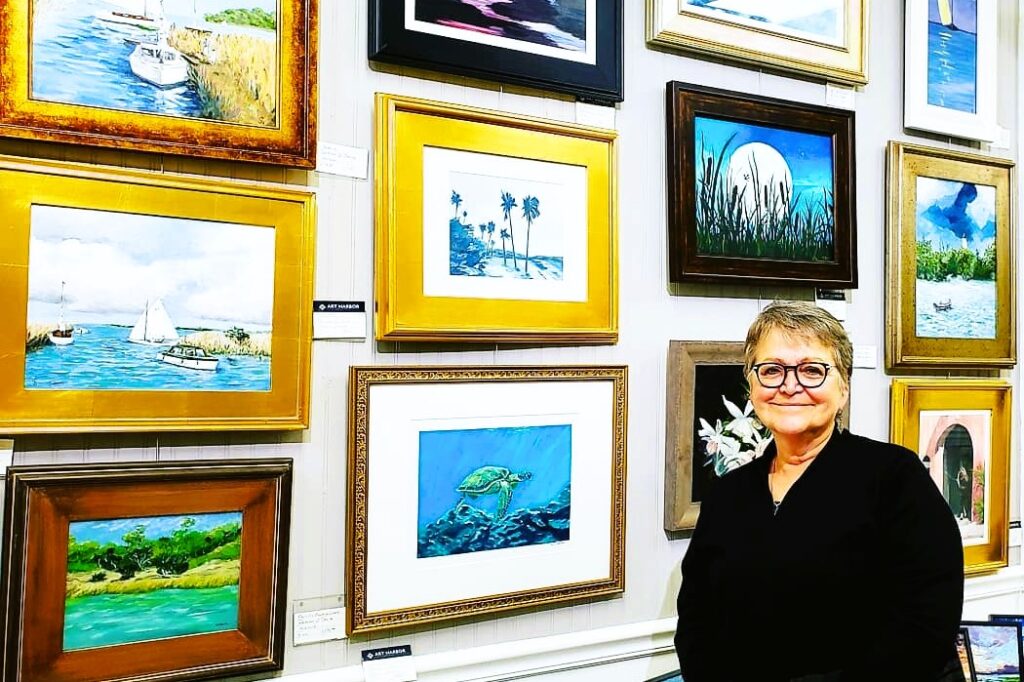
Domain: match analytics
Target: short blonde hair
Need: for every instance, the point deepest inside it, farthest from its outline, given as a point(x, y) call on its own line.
point(805, 321)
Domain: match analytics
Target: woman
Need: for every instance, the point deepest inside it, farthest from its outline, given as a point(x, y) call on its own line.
point(830, 557)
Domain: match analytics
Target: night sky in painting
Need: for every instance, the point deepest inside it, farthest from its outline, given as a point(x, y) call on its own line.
point(520, 20)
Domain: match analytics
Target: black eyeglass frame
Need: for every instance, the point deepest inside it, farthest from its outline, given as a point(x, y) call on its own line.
point(785, 372)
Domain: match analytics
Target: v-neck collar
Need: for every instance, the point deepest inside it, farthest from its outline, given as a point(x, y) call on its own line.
point(766, 464)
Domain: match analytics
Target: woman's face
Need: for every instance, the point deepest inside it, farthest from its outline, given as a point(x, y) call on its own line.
point(791, 409)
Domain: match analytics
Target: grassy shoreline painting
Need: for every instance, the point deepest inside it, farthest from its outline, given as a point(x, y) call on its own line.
point(493, 488)
point(763, 192)
point(139, 579)
point(125, 301)
point(956, 259)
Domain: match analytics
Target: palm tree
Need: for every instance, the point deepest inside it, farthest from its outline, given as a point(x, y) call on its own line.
point(456, 201)
point(531, 211)
point(508, 202)
point(490, 234)
point(504, 254)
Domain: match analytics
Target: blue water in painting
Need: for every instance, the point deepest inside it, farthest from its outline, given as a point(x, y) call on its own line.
point(973, 315)
point(450, 522)
point(104, 359)
point(952, 68)
point(109, 619)
point(78, 59)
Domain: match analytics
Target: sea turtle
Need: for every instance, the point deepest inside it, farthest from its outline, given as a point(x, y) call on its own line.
point(488, 480)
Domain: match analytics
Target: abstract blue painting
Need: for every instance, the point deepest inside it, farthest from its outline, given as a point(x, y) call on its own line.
point(764, 192)
point(953, 54)
point(493, 488)
point(956, 259)
point(818, 19)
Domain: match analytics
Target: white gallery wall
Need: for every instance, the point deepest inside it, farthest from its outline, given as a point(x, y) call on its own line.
point(626, 638)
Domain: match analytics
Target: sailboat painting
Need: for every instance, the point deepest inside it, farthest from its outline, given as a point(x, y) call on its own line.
point(953, 54)
point(147, 302)
point(208, 59)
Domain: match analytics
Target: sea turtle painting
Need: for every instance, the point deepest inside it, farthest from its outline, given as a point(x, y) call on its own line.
point(493, 480)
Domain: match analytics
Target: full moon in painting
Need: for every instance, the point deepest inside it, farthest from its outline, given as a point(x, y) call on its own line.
point(757, 169)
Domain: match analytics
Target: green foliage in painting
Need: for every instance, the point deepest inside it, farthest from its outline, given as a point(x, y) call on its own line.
point(938, 266)
point(257, 17)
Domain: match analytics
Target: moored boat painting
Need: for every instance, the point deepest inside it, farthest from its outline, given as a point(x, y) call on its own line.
point(207, 59)
point(155, 303)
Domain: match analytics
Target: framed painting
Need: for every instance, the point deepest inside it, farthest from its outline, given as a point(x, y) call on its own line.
point(493, 227)
point(760, 191)
point(140, 302)
point(192, 77)
point(950, 259)
point(144, 571)
point(951, 66)
point(476, 490)
point(964, 655)
point(707, 418)
point(995, 649)
point(821, 40)
point(960, 428)
point(568, 46)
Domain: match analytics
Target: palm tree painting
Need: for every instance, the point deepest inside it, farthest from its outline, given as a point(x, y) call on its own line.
point(488, 201)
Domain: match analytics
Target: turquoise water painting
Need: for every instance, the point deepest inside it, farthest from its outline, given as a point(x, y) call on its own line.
point(493, 488)
point(953, 54)
point(145, 578)
point(119, 301)
point(956, 259)
point(763, 192)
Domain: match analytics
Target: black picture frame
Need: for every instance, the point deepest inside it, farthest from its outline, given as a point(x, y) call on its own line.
point(600, 83)
point(684, 104)
point(964, 640)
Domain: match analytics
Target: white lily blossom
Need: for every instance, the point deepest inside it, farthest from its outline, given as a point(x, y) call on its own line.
point(737, 442)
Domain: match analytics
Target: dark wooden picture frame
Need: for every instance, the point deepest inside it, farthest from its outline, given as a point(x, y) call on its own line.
point(835, 264)
point(391, 41)
point(43, 501)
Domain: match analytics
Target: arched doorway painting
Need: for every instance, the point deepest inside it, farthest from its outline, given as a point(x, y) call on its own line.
point(955, 447)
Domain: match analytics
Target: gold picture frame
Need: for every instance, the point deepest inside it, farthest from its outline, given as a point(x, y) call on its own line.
point(951, 284)
point(227, 85)
point(450, 467)
point(138, 301)
point(437, 281)
point(952, 421)
point(837, 53)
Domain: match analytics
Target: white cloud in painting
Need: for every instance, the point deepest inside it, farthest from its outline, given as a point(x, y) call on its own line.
point(208, 274)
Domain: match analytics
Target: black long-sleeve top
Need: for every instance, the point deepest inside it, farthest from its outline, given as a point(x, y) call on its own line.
point(859, 573)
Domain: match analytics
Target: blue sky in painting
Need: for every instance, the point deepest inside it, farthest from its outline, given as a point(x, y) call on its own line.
point(447, 457)
point(965, 14)
point(112, 530)
point(995, 648)
point(809, 155)
point(951, 214)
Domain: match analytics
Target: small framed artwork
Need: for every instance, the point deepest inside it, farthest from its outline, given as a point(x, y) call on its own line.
point(711, 425)
point(960, 428)
point(568, 46)
point(143, 571)
point(951, 67)
point(480, 490)
point(995, 649)
point(194, 78)
point(823, 40)
point(760, 191)
point(950, 260)
point(136, 301)
point(963, 653)
point(493, 227)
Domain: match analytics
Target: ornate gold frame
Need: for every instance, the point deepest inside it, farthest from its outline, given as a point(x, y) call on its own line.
point(290, 212)
point(903, 348)
point(671, 28)
point(911, 396)
point(404, 127)
point(359, 620)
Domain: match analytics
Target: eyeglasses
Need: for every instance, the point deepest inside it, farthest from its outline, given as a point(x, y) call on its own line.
point(808, 374)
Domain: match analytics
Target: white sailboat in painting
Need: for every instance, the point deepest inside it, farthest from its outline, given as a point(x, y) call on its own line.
point(154, 326)
point(159, 63)
point(64, 333)
point(137, 14)
point(946, 13)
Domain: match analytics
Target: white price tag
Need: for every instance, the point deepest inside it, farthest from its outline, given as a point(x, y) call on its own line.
point(318, 626)
point(339, 320)
point(865, 356)
point(337, 159)
point(595, 115)
point(6, 454)
point(390, 664)
point(839, 97)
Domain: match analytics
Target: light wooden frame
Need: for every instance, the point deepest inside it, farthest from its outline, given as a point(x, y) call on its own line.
point(404, 313)
point(290, 142)
point(290, 212)
point(42, 501)
point(361, 572)
point(670, 26)
point(911, 396)
point(903, 347)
